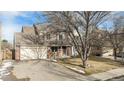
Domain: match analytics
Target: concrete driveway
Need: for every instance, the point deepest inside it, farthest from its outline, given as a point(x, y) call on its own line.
point(44, 70)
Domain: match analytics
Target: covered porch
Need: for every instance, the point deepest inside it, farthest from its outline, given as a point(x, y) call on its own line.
point(55, 52)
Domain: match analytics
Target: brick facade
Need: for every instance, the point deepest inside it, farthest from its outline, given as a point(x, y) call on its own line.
point(17, 53)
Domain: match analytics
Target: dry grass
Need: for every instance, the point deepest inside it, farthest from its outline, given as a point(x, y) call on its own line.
point(97, 64)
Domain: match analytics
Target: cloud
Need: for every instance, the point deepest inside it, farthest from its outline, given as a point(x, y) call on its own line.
point(13, 14)
point(8, 31)
point(12, 22)
point(10, 17)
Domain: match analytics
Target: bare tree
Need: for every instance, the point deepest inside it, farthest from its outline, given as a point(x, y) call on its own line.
point(6, 44)
point(115, 36)
point(80, 26)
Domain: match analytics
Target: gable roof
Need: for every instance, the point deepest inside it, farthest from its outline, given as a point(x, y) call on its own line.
point(28, 30)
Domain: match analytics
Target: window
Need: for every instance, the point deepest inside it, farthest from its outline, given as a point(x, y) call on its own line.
point(60, 37)
point(54, 49)
point(48, 36)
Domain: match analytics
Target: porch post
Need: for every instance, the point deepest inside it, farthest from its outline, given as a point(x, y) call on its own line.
point(61, 51)
point(66, 51)
point(54, 53)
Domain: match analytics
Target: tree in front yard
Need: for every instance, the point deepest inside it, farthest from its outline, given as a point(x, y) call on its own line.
point(80, 26)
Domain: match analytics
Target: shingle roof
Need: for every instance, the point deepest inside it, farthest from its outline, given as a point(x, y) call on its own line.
point(28, 30)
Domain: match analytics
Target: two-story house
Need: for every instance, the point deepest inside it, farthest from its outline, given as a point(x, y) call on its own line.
point(39, 42)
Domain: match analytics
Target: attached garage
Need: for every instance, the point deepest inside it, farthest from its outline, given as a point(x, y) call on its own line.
point(33, 52)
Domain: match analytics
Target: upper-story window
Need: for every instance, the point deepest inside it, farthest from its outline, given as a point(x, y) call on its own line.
point(60, 37)
point(48, 36)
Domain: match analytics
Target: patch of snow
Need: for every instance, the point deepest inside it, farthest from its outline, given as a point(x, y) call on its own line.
point(75, 69)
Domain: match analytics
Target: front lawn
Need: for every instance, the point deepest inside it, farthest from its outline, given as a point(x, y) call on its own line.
point(97, 64)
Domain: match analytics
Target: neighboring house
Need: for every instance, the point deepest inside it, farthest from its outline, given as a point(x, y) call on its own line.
point(120, 52)
point(121, 47)
point(7, 50)
point(117, 41)
point(51, 45)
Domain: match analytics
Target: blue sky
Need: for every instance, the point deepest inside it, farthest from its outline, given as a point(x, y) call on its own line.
point(13, 21)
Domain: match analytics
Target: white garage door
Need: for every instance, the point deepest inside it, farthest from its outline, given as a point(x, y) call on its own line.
point(27, 53)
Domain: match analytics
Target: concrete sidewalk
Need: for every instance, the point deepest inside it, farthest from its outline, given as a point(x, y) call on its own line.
point(106, 75)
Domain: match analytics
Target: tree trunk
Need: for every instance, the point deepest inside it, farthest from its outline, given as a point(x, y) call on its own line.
point(84, 61)
point(115, 53)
